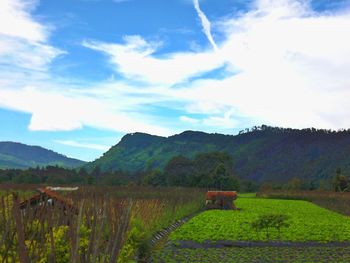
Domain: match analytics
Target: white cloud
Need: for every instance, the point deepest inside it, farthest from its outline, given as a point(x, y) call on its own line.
point(292, 68)
point(15, 21)
point(289, 68)
point(92, 146)
point(22, 54)
point(26, 84)
point(289, 65)
point(225, 121)
point(58, 110)
point(136, 60)
point(205, 24)
point(189, 120)
point(23, 40)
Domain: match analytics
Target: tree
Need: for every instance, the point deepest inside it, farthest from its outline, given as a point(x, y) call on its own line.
point(223, 180)
point(268, 221)
point(295, 184)
point(209, 170)
point(340, 182)
point(96, 172)
point(248, 186)
point(154, 178)
point(178, 171)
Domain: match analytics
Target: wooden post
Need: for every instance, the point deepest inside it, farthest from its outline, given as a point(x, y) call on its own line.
point(22, 250)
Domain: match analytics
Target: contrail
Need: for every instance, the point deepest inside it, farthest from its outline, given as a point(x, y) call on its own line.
point(205, 24)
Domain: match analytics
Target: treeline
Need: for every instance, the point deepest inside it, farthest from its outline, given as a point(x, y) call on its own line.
point(338, 183)
point(213, 170)
point(61, 176)
point(208, 170)
point(265, 128)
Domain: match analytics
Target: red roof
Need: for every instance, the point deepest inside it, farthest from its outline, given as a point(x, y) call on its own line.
point(214, 194)
point(66, 202)
point(55, 196)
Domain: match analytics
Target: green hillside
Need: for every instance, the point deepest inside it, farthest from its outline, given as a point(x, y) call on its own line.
point(261, 154)
point(21, 156)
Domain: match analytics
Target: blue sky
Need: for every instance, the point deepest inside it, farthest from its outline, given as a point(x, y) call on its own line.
point(76, 75)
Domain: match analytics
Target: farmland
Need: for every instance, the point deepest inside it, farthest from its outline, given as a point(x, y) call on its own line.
point(255, 254)
point(308, 222)
point(110, 223)
point(115, 224)
point(312, 234)
point(335, 201)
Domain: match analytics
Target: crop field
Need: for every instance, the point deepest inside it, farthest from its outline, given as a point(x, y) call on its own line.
point(108, 224)
point(114, 224)
point(254, 254)
point(308, 222)
point(312, 234)
point(335, 201)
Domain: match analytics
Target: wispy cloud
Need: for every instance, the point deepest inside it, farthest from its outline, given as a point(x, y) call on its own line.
point(57, 110)
point(205, 24)
point(15, 21)
point(291, 65)
point(27, 84)
point(288, 64)
point(23, 40)
point(83, 145)
point(135, 60)
point(226, 121)
point(189, 119)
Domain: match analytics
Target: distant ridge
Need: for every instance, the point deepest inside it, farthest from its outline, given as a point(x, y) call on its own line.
point(21, 156)
point(260, 154)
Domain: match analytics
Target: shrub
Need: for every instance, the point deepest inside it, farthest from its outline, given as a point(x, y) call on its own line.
point(268, 221)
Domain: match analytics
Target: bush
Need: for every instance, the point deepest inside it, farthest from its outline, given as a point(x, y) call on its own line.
point(268, 221)
point(136, 242)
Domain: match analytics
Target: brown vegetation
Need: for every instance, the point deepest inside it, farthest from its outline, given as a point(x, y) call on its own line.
point(111, 223)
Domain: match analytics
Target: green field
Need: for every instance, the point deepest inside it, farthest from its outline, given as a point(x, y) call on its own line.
point(310, 227)
point(308, 222)
point(255, 254)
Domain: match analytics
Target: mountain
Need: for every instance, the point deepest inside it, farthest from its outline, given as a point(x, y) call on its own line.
point(261, 154)
point(18, 155)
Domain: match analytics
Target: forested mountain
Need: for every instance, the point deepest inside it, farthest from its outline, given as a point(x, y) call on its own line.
point(17, 155)
point(259, 154)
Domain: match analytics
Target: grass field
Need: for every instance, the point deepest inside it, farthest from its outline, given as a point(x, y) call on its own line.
point(308, 222)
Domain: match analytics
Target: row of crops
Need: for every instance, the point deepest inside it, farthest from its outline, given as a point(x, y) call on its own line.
point(335, 201)
point(254, 254)
point(309, 233)
point(109, 224)
point(306, 222)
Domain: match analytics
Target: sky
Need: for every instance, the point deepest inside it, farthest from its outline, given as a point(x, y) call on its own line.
point(77, 75)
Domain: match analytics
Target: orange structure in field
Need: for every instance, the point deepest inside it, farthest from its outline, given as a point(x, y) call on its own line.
point(221, 200)
point(48, 197)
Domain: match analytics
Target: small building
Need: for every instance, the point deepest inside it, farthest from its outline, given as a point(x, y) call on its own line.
point(220, 200)
point(48, 197)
